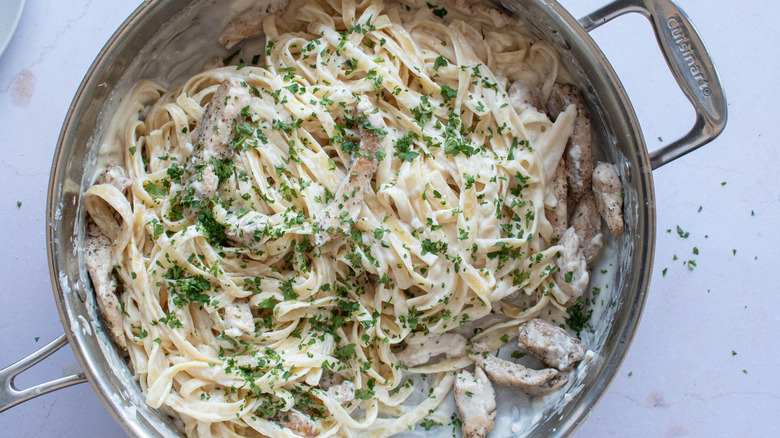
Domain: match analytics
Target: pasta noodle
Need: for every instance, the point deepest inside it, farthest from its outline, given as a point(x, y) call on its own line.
point(245, 324)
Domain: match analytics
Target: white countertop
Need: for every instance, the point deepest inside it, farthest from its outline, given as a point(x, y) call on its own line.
point(704, 361)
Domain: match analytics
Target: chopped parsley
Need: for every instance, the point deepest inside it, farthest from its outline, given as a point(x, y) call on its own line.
point(448, 93)
point(403, 147)
point(214, 230)
point(578, 317)
point(152, 189)
point(433, 247)
point(437, 11)
point(440, 62)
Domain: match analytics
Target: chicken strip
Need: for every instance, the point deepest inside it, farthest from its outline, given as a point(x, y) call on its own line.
point(579, 151)
point(213, 137)
point(609, 196)
point(420, 349)
point(117, 177)
point(512, 374)
point(559, 217)
point(549, 386)
point(587, 224)
point(249, 23)
point(99, 265)
point(476, 402)
point(343, 391)
point(245, 230)
point(524, 96)
point(572, 276)
point(239, 319)
point(345, 206)
point(298, 422)
point(551, 344)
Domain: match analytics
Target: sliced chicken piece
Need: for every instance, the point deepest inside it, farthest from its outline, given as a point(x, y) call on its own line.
point(298, 422)
point(345, 206)
point(239, 319)
point(343, 391)
point(559, 217)
point(512, 374)
point(245, 230)
point(99, 265)
point(587, 224)
point(609, 199)
point(551, 344)
point(572, 276)
point(579, 150)
point(476, 402)
point(213, 136)
point(420, 349)
point(117, 177)
point(250, 22)
point(329, 378)
point(549, 386)
point(523, 96)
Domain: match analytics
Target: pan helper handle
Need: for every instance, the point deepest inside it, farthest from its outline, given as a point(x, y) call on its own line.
point(690, 64)
point(10, 396)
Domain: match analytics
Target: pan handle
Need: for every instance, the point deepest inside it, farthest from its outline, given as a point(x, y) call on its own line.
point(10, 396)
point(690, 64)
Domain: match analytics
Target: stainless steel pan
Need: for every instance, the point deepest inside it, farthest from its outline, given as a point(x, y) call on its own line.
point(156, 33)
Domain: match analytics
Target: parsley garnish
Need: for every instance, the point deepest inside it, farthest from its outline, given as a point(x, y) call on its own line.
point(345, 352)
point(440, 62)
point(436, 247)
point(223, 169)
point(448, 93)
point(215, 231)
point(287, 291)
point(153, 190)
point(404, 147)
point(439, 12)
point(228, 59)
point(578, 318)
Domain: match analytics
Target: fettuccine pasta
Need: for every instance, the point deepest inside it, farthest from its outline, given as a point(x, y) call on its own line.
point(243, 310)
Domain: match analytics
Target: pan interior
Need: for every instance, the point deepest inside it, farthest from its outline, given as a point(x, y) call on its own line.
point(160, 35)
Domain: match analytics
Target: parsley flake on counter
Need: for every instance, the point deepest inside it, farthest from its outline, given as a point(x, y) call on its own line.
point(681, 233)
point(18, 204)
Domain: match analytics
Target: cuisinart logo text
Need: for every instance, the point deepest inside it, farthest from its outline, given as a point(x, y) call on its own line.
point(681, 40)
